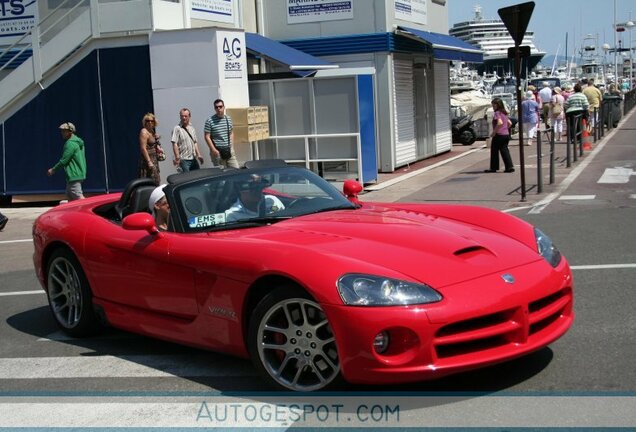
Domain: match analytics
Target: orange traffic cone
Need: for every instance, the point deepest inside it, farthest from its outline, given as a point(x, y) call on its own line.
point(587, 140)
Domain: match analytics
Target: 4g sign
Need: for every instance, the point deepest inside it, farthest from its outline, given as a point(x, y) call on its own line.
point(231, 56)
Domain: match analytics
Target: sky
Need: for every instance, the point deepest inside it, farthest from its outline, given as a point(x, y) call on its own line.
point(552, 19)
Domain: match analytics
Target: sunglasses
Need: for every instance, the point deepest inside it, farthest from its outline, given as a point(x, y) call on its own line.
point(218, 106)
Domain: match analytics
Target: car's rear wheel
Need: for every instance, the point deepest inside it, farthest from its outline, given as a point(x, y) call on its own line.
point(291, 342)
point(69, 294)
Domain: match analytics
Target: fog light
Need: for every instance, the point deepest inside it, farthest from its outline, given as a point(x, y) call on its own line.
point(381, 342)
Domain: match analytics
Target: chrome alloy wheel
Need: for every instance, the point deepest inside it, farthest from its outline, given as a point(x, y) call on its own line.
point(65, 294)
point(296, 345)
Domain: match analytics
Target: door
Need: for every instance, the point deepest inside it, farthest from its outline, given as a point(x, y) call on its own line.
point(134, 268)
point(404, 120)
point(424, 111)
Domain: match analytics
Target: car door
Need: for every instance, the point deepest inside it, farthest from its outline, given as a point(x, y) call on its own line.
point(135, 268)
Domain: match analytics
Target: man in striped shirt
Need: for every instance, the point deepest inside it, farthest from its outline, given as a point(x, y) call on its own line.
point(219, 136)
point(575, 105)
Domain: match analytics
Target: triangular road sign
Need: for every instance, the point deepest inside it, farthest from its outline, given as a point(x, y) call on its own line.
point(516, 19)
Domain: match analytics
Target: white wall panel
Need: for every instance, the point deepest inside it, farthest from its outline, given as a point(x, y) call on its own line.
point(443, 135)
point(404, 109)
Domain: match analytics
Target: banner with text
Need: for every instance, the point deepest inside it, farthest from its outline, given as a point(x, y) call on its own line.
point(302, 11)
point(411, 10)
point(17, 17)
point(213, 10)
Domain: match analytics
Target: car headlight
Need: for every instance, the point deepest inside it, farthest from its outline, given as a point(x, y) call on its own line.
point(546, 248)
point(368, 290)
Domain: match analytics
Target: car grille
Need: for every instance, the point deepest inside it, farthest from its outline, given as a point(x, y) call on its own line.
point(505, 329)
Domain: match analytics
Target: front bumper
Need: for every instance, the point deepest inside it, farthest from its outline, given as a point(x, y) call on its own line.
point(479, 323)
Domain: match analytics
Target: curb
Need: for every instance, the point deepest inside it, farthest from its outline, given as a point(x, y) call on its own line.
point(401, 178)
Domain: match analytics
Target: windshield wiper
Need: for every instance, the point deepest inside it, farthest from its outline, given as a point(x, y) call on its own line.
point(339, 207)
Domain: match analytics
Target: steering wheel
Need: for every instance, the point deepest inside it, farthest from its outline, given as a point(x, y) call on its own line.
point(295, 202)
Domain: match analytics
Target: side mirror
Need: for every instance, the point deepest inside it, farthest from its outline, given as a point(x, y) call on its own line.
point(140, 221)
point(351, 189)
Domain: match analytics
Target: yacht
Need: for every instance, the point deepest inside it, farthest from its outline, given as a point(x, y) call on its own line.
point(492, 37)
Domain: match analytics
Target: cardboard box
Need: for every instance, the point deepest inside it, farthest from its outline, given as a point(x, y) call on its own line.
point(263, 131)
point(246, 133)
point(242, 116)
point(262, 114)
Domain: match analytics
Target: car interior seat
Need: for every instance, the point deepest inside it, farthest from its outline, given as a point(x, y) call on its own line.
point(125, 206)
point(139, 200)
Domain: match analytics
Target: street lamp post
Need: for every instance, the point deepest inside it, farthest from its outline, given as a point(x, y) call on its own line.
point(629, 25)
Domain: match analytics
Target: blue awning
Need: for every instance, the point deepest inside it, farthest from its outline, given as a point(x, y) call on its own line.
point(445, 47)
point(297, 61)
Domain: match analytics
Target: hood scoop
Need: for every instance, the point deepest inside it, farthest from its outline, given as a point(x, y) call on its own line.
point(477, 255)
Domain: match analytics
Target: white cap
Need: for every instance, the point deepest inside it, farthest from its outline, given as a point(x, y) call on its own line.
point(529, 94)
point(68, 126)
point(155, 196)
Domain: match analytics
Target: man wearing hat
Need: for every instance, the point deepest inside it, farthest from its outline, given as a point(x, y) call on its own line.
point(252, 203)
point(73, 161)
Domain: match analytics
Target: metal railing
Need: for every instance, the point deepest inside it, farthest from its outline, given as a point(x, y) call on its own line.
point(308, 160)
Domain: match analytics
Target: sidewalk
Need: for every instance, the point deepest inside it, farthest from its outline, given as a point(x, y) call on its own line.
point(460, 178)
point(453, 177)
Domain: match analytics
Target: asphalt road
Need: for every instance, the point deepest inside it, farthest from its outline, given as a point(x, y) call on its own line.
point(591, 222)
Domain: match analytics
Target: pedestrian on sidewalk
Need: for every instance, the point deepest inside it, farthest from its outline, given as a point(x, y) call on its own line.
point(557, 113)
point(499, 138)
point(219, 136)
point(575, 108)
point(150, 150)
point(185, 145)
point(530, 119)
point(73, 161)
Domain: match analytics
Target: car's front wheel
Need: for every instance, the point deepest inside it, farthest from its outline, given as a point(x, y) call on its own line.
point(69, 294)
point(291, 342)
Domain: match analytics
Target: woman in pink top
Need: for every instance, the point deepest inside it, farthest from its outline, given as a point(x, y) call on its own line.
point(500, 138)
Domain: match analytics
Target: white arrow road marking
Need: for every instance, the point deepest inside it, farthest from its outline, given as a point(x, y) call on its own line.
point(616, 175)
point(125, 366)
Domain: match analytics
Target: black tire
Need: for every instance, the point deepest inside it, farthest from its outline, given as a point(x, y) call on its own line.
point(307, 359)
point(70, 297)
point(467, 137)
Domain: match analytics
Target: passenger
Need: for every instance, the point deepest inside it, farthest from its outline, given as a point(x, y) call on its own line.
point(531, 112)
point(219, 136)
point(557, 112)
point(252, 203)
point(73, 161)
point(576, 104)
point(150, 149)
point(500, 137)
point(184, 144)
point(158, 205)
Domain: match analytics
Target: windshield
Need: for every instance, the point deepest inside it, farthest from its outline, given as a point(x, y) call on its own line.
point(256, 196)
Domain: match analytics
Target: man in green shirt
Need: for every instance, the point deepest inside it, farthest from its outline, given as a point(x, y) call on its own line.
point(73, 160)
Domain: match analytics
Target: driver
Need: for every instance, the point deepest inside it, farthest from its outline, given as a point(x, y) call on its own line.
point(252, 203)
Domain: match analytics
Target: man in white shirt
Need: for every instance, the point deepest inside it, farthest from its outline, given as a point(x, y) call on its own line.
point(252, 203)
point(545, 96)
point(184, 144)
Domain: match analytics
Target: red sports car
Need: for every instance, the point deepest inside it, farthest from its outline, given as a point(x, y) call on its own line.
point(273, 263)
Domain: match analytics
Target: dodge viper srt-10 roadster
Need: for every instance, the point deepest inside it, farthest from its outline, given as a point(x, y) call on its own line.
point(273, 263)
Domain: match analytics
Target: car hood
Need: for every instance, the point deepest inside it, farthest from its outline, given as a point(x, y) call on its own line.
point(432, 249)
